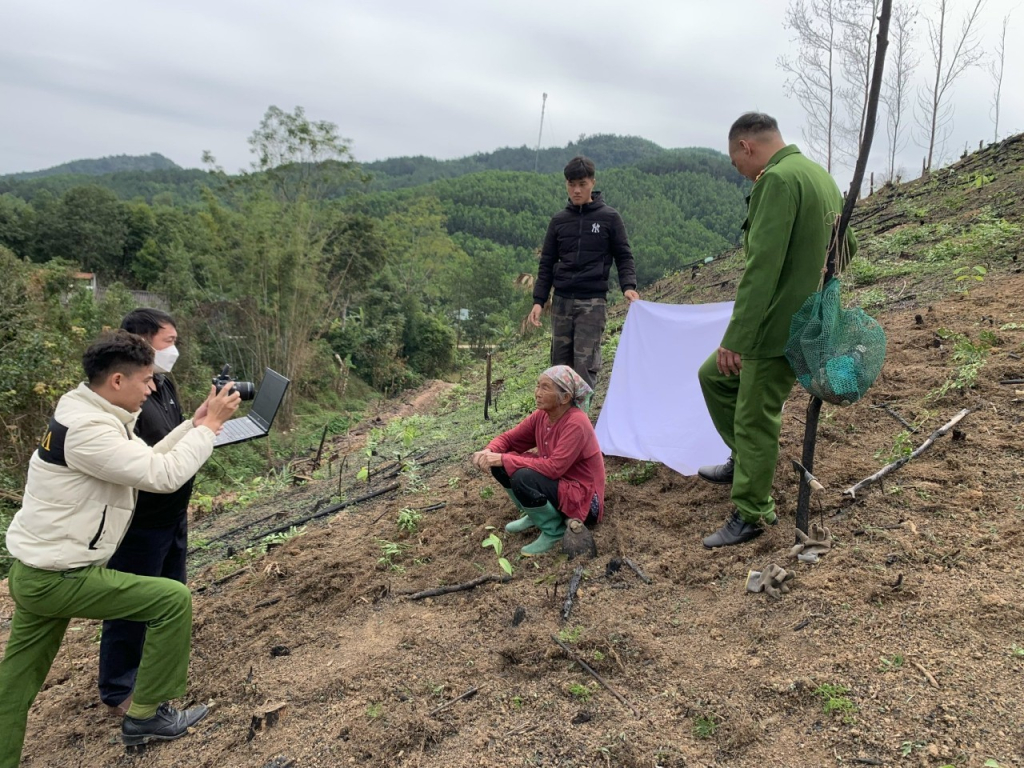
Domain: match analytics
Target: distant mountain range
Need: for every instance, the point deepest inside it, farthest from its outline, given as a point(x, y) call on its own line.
point(155, 178)
point(103, 165)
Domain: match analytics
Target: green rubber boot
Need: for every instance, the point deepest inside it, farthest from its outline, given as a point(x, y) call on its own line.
point(552, 528)
point(524, 523)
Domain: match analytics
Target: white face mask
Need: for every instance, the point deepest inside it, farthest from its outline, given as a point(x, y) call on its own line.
point(164, 359)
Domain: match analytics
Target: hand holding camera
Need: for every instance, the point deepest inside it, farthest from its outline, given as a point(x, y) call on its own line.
point(246, 389)
point(224, 398)
point(219, 406)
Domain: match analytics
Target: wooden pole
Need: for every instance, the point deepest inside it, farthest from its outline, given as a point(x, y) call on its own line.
point(837, 246)
point(487, 395)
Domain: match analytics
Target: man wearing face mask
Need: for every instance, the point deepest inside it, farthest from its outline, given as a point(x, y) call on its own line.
point(157, 539)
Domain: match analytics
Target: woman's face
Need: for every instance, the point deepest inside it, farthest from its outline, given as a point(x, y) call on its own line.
point(548, 396)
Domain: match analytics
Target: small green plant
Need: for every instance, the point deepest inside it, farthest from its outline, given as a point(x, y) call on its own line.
point(637, 473)
point(835, 700)
point(389, 552)
point(598, 656)
point(978, 180)
point(902, 445)
point(517, 702)
point(486, 492)
point(970, 274)
point(970, 359)
point(890, 663)
point(409, 520)
point(372, 441)
point(494, 542)
point(409, 435)
point(374, 710)
point(640, 473)
point(990, 763)
point(567, 635)
point(276, 539)
point(453, 482)
point(1017, 651)
point(581, 692)
point(704, 726)
point(909, 746)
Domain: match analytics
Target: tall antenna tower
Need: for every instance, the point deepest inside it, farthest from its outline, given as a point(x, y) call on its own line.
point(536, 155)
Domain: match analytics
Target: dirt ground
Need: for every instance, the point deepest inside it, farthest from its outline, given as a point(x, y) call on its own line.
point(927, 574)
point(904, 646)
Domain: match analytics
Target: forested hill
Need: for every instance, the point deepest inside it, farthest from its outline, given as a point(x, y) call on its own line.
point(673, 217)
point(394, 280)
point(606, 150)
point(104, 165)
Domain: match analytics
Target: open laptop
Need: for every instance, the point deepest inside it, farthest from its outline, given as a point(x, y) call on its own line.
point(256, 423)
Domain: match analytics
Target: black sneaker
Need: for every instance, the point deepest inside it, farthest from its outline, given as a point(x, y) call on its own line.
point(735, 531)
point(720, 474)
point(167, 724)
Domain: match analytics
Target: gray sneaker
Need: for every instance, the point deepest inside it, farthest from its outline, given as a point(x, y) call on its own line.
point(166, 725)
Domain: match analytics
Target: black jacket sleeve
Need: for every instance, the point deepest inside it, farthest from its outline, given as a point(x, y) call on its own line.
point(623, 256)
point(545, 271)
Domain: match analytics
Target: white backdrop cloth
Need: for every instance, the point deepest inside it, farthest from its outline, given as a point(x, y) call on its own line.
point(654, 409)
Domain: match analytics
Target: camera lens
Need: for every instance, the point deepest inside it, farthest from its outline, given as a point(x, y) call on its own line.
point(245, 389)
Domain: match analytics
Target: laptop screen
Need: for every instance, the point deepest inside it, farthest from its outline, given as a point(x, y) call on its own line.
point(268, 398)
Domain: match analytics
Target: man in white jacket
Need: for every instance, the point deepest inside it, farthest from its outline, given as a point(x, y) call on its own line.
point(79, 497)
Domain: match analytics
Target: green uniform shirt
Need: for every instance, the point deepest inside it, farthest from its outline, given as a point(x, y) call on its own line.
point(791, 212)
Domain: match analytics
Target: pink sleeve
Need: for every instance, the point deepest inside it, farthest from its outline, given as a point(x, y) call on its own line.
point(566, 453)
point(519, 439)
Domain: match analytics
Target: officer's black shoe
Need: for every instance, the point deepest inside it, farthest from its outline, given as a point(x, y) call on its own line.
point(720, 474)
point(167, 724)
point(735, 531)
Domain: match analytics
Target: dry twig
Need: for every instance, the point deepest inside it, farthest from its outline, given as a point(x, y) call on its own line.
point(601, 680)
point(890, 468)
point(458, 587)
point(574, 585)
point(931, 680)
point(471, 692)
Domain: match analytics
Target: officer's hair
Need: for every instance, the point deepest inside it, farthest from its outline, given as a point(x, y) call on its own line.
point(116, 352)
point(752, 124)
point(147, 322)
point(579, 167)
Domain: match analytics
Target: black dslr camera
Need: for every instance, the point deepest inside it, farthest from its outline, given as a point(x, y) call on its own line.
point(244, 388)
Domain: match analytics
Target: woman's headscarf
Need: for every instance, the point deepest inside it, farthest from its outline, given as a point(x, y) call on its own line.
point(567, 380)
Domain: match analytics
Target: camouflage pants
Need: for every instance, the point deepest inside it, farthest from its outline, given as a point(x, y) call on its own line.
point(576, 329)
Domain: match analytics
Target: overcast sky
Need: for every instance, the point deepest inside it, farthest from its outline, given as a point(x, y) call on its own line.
point(446, 78)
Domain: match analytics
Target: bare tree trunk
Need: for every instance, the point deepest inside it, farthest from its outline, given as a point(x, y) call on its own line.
point(996, 70)
point(950, 63)
point(858, 20)
point(897, 81)
point(811, 76)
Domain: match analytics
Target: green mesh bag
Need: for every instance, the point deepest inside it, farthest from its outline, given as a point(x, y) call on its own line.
point(835, 353)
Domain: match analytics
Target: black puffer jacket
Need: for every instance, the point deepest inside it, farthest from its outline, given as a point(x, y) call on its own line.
point(161, 413)
point(579, 247)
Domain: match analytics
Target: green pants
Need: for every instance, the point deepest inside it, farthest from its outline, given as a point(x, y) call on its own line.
point(44, 602)
point(747, 412)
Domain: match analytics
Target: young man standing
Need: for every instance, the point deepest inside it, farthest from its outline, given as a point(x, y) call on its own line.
point(79, 497)
point(793, 207)
point(157, 538)
point(581, 243)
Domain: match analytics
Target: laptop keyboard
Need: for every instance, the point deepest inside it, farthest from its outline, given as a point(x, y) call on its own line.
point(238, 428)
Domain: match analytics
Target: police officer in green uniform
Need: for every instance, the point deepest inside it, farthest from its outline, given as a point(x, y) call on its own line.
point(792, 210)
